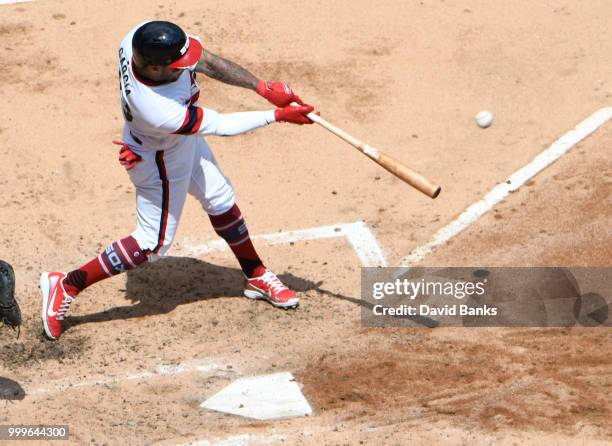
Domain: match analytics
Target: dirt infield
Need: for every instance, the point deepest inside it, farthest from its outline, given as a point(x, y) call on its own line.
point(142, 350)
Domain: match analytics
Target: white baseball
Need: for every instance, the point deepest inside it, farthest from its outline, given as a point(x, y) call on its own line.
point(484, 119)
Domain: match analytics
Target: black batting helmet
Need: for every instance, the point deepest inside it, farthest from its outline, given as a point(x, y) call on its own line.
point(164, 43)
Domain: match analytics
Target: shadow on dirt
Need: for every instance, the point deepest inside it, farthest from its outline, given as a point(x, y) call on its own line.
point(417, 319)
point(10, 390)
point(160, 287)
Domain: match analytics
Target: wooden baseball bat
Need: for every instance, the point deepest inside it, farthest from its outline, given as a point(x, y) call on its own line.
point(404, 173)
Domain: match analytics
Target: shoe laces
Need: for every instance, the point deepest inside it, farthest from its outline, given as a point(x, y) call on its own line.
point(63, 308)
point(273, 282)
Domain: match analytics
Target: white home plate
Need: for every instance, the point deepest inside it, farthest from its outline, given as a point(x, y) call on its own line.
point(265, 397)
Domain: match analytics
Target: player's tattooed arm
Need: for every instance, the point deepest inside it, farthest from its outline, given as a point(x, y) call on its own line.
point(225, 71)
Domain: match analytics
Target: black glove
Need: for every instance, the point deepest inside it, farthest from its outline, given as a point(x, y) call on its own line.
point(10, 314)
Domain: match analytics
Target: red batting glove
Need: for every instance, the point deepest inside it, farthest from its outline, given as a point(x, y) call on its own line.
point(127, 158)
point(294, 114)
point(278, 93)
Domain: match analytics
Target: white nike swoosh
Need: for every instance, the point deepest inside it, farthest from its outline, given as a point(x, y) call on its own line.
point(50, 312)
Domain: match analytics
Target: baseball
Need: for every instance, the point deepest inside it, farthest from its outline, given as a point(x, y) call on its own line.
point(484, 119)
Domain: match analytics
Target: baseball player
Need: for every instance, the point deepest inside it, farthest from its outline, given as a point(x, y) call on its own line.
point(10, 314)
point(166, 157)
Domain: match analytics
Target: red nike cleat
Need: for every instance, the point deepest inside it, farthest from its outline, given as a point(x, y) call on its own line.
point(55, 303)
point(269, 287)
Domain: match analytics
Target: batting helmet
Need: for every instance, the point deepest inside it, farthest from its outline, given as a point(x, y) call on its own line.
point(164, 43)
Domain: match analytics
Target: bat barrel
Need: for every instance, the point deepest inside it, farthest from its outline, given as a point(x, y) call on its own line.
point(408, 175)
point(404, 173)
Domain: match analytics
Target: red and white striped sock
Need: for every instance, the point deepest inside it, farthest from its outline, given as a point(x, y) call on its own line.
point(120, 256)
point(231, 227)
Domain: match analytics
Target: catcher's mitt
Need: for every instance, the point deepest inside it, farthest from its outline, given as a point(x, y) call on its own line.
point(10, 314)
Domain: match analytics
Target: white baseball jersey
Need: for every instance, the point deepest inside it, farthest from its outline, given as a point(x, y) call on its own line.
point(165, 125)
point(158, 116)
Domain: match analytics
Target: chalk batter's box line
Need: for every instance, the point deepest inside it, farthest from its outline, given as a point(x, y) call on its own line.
point(358, 234)
point(473, 213)
point(206, 366)
point(10, 2)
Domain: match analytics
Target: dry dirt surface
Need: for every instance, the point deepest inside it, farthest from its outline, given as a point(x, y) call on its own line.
point(143, 350)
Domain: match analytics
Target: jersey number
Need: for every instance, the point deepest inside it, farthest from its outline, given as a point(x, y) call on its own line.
point(127, 113)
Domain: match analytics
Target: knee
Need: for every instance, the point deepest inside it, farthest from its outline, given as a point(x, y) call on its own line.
point(150, 244)
point(220, 202)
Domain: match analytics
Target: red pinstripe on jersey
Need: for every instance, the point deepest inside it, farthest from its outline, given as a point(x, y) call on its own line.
point(159, 160)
